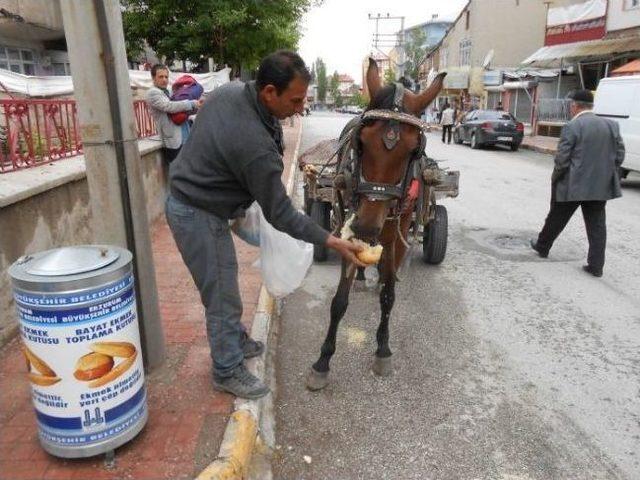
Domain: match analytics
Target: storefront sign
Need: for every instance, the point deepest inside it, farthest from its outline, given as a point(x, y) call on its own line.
point(457, 79)
point(492, 77)
point(576, 32)
point(576, 22)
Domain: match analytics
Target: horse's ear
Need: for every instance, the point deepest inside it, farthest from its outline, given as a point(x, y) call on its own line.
point(423, 99)
point(373, 78)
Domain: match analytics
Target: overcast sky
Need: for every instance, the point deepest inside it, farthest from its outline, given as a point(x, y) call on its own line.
point(340, 32)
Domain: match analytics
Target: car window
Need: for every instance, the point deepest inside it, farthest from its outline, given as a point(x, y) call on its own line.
point(470, 116)
point(494, 115)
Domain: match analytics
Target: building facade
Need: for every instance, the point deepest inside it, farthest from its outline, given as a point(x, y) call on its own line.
point(32, 38)
point(585, 40)
point(479, 51)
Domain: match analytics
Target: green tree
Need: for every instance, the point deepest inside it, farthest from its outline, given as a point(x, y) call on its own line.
point(334, 84)
point(233, 32)
point(338, 100)
point(414, 53)
point(359, 99)
point(321, 76)
point(389, 76)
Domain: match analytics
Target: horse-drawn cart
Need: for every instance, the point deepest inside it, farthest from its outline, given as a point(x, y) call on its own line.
point(429, 218)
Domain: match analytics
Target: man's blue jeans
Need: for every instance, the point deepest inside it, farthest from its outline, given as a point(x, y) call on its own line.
point(206, 246)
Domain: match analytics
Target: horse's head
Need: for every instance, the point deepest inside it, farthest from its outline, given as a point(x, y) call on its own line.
point(386, 149)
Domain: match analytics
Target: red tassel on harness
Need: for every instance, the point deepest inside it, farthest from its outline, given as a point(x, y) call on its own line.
point(412, 195)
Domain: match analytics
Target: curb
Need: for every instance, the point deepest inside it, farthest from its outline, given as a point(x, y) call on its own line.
point(242, 434)
point(535, 148)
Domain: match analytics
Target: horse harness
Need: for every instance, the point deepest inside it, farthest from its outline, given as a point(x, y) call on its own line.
point(350, 156)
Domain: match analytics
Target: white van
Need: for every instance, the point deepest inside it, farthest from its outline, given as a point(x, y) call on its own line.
point(618, 98)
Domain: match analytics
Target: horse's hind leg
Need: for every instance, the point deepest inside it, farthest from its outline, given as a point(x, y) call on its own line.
point(382, 362)
point(318, 376)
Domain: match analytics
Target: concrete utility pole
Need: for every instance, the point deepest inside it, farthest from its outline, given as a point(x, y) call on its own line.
point(95, 39)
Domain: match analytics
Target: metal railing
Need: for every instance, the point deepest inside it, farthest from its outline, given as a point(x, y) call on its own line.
point(553, 110)
point(144, 121)
point(34, 132)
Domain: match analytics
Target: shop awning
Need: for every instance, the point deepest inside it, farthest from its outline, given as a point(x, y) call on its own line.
point(520, 84)
point(631, 68)
point(546, 56)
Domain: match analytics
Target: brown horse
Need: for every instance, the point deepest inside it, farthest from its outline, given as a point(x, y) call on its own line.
point(377, 160)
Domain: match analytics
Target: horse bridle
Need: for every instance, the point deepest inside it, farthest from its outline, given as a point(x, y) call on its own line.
point(350, 167)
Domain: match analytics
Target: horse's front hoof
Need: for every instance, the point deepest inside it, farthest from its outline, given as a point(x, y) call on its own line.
point(382, 366)
point(317, 380)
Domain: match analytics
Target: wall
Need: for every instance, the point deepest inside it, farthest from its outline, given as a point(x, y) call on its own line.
point(45, 13)
point(619, 16)
point(44, 216)
point(512, 40)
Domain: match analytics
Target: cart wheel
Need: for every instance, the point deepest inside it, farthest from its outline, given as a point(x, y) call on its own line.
point(321, 214)
point(434, 239)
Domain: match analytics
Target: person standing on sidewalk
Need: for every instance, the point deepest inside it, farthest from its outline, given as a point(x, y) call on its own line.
point(585, 175)
point(158, 99)
point(232, 157)
point(447, 121)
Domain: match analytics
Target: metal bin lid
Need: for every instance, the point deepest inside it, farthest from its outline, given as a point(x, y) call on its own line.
point(72, 260)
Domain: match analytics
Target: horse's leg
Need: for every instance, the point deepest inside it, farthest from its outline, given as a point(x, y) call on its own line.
point(359, 283)
point(382, 362)
point(318, 376)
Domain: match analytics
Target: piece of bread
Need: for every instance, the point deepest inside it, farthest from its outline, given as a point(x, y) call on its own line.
point(369, 255)
point(93, 365)
point(114, 349)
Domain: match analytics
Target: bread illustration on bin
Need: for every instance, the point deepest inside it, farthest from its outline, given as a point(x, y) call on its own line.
point(45, 375)
point(99, 367)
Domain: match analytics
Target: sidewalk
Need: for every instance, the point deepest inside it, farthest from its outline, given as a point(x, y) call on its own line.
point(541, 144)
point(187, 417)
point(537, 143)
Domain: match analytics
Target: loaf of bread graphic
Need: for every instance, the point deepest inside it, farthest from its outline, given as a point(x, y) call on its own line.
point(45, 375)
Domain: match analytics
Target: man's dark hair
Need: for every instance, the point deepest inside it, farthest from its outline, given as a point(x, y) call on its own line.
point(156, 67)
point(279, 68)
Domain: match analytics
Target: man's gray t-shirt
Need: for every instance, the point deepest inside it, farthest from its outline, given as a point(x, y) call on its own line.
point(232, 157)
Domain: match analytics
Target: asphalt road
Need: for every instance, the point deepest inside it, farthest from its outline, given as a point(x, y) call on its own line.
point(506, 366)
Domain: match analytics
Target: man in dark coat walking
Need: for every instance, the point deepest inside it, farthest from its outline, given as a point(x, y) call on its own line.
point(585, 175)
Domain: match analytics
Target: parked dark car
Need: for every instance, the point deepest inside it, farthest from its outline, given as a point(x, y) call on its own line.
point(489, 127)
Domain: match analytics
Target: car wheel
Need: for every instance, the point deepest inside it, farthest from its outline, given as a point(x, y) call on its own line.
point(474, 142)
point(456, 137)
point(515, 147)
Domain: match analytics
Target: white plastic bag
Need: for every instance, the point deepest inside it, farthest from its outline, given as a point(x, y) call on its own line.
point(248, 227)
point(284, 261)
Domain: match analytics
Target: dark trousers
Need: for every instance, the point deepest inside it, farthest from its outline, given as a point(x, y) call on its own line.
point(446, 129)
point(595, 222)
point(205, 243)
point(170, 154)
